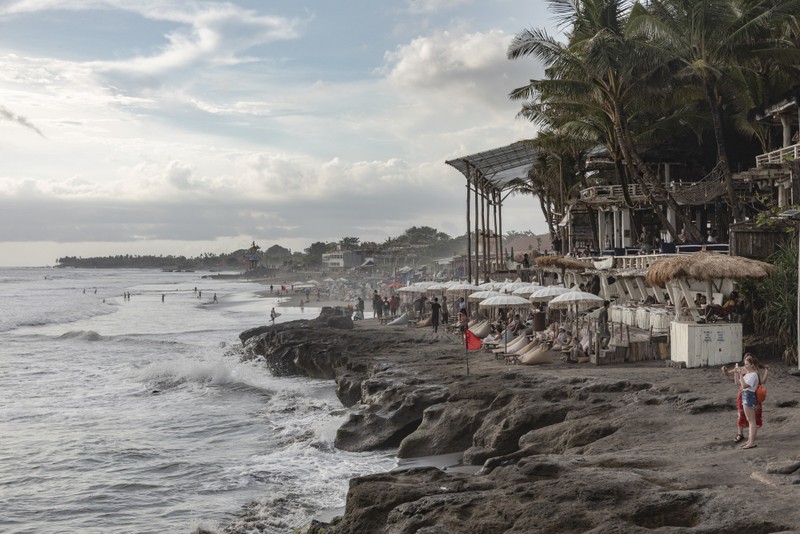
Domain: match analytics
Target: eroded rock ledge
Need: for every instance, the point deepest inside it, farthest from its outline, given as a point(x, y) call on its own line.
point(557, 448)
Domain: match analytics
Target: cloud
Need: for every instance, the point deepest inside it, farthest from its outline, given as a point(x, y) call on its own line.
point(432, 6)
point(205, 33)
point(193, 141)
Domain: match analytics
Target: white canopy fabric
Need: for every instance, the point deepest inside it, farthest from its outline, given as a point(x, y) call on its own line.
point(547, 293)
point(579, 298)
point(511, 286)
point(482, 295)
point(501, 301)
point(462, 288)
point(525, 291)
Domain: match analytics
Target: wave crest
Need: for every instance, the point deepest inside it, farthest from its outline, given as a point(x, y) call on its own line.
point(85, 335)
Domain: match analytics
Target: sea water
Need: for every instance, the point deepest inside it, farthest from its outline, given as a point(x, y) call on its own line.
point(130, 415)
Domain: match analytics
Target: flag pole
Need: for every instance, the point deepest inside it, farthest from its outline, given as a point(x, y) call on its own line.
point(466, 351)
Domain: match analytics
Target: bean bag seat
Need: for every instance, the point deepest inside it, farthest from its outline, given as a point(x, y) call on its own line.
point(536, 356)
point(481, 330)
point(527, 348)
point(400, 321)
point(513, 346)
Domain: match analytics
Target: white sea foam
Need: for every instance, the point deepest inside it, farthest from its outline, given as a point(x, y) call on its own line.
point(134, 416)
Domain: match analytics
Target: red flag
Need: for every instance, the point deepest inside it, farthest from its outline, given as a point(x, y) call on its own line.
point(473, 341)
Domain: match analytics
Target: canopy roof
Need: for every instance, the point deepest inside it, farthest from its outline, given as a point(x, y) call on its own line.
point(498, 166)
point(705, 266)
point(561, 262)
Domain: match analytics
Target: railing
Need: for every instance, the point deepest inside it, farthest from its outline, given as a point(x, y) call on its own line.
point(787, 153)
point(605, 193)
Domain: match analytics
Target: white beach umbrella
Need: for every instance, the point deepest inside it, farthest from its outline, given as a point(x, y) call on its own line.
point(329, 280)
point(312, 282)
point(576, 298)
point(415, 288)
point(505, 301)
point(487, 285)
point(511, 286)
point(525, 291)
point(481, 295)
point(435, 288)
point(547, 293)
point(462, 288)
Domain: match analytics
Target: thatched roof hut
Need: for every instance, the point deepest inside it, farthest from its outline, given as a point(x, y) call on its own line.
point(705, 266)
point(561, 262)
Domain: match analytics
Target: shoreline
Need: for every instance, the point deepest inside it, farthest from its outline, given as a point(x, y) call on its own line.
point(293, 298)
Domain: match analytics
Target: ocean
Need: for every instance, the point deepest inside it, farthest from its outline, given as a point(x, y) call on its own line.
point(135, 415)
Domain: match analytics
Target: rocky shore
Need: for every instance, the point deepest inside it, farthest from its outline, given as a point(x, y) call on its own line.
point(551, 448)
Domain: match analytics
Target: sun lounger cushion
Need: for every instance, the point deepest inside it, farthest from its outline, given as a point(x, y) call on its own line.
point(481, 330)
point(400, 321)
point(536, 356)
point(513, 346)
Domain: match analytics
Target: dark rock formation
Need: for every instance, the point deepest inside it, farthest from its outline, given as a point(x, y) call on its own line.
point(555, 448)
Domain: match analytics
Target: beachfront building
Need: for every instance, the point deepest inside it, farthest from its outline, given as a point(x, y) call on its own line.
point(342, 259)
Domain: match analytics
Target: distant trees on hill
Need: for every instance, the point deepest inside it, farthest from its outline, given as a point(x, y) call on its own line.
point(423, 242)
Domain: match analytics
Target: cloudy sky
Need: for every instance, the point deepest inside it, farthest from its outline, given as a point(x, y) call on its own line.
point(183, 127)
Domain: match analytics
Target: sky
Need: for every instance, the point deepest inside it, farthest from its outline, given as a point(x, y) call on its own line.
point(184, 127)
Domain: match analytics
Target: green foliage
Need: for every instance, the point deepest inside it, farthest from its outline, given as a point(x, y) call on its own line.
point(423, 242)
point(349, 243)
point(314, 253)
point(421, 235)
point(773, 301)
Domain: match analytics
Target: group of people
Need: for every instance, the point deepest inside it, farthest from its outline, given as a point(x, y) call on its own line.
point(384, 306)
point(748, 378)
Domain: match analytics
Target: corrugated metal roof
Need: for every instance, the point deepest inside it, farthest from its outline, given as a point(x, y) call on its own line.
point(499, 166)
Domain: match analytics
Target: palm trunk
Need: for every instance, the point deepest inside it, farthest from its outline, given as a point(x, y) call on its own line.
point(722, 154)
point(652, 183)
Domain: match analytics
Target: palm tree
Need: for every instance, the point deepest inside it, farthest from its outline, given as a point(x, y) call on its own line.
point(709, 40)
point(603, 70)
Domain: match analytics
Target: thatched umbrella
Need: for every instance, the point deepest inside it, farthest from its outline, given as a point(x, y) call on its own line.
point(562, 263)
point(704, 267)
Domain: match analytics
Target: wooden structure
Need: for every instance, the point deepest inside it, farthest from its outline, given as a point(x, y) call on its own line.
point(693, 342)
point(490, 177)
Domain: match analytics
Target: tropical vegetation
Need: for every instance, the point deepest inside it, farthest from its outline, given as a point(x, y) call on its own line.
point(664, 76)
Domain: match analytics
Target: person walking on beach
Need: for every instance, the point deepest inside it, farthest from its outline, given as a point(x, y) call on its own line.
point(377, 304)
point(359, 309)
point(162, 297)
point(272, 316)
point(435, 307)
point(603, 334)
point(215, 298)
point(445, 311)
point(463, 322)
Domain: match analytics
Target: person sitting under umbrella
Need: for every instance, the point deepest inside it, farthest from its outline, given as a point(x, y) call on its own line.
point(723, 312)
